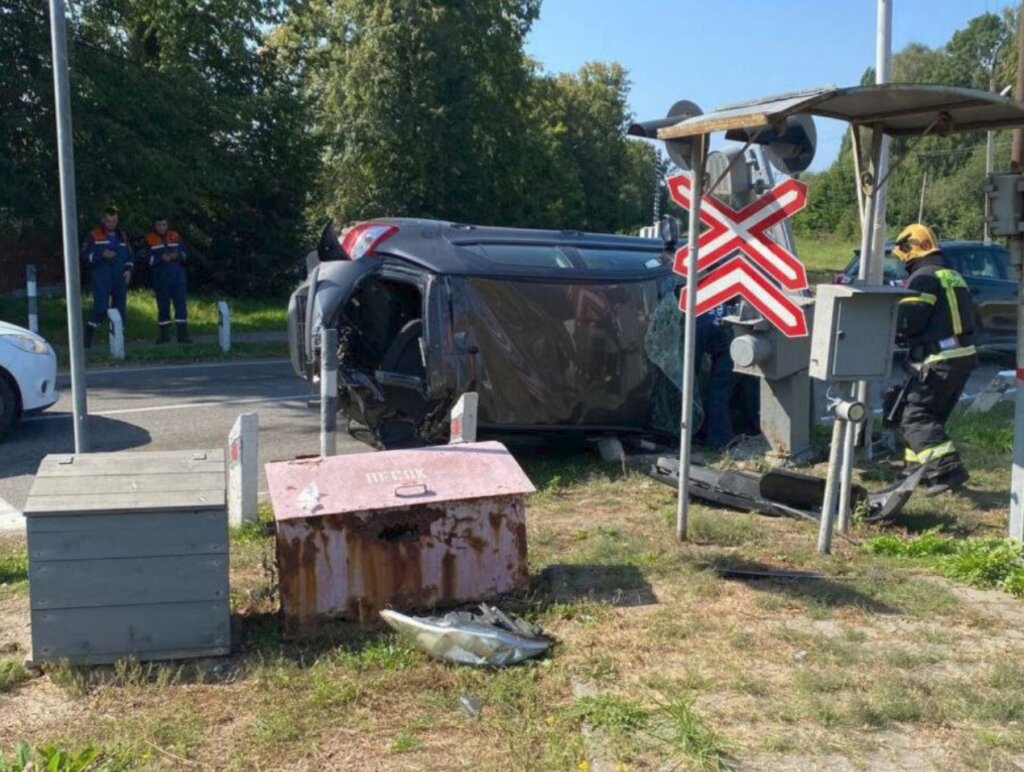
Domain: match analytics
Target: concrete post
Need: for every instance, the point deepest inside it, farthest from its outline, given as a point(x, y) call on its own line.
point(328, 391)
point(243, 469)
point(463, 418)
point(116, 334)
point(31, 292)
point(224, 326)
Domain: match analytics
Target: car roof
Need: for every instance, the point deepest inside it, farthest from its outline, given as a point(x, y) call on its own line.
point(943, 245)
point(447, 248)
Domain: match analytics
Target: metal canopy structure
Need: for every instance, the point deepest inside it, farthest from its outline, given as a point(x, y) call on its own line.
point(898, 109)
point(895, 109)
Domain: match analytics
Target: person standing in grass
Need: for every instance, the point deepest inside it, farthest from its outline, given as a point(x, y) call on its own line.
point(166, 253)
point(108, 255)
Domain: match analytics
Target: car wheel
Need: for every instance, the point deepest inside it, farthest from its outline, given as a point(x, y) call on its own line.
point(8, 406)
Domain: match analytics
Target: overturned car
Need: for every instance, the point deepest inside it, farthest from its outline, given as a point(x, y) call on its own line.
point(557, 331)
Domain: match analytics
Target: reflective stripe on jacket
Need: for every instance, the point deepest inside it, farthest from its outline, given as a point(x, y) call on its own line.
point(157, 246)
point(939, 320)
point(100, 240)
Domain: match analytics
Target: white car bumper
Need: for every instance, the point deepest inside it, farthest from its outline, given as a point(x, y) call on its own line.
point(36, 375)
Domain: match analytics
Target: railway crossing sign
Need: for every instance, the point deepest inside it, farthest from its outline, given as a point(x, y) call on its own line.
point(758, 268)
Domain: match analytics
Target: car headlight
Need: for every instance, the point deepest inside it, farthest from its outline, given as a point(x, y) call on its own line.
point(26, 343)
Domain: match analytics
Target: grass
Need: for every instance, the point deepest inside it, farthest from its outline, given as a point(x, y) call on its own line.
point(980, 562)
point(248, 315)
point(873, 664)
point(824, 257)
point(13, 569)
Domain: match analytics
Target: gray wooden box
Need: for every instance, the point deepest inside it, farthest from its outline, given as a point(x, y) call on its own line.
point(128, 557)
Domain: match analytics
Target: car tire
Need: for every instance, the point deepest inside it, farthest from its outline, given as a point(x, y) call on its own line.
point(8, 405)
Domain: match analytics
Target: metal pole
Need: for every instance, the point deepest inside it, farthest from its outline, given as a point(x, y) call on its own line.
point(846, 476)
point(872, 261)
point(69, 221)
point(700, 151)
point(1017, 257)
point(920, 207)
point(828, 503)
point(328, 391)
point(32, 293)
point(880, 163)
point(862, 392)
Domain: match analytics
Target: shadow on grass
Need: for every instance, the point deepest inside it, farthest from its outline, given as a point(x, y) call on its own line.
point(920, 522)
point(615, 585)
point(822, 591)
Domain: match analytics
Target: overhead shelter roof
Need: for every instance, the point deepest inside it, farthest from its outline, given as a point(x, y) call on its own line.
point(900, 109)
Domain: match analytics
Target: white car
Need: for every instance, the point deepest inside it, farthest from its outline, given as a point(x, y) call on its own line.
point(28, 374)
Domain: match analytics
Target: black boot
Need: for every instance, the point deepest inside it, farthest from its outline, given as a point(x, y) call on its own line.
point(946, 474)
point(88, 335)
point(183, 332)
point(165, 334)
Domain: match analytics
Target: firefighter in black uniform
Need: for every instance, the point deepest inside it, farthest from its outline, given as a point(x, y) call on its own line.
point(937, 325)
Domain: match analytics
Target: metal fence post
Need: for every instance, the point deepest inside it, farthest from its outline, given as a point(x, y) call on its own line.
point(243, 469)
point(116, 333)
point(31, 292)
point(224, 325)
point(328, 391)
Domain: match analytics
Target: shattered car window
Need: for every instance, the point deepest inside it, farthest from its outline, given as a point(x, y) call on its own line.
point(663, 345)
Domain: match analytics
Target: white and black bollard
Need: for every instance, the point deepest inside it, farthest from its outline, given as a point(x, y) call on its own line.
point(328, 391)
point(116, 333)
point(32, 293)
point(463, 419)
point(243, 469)
point(224, 326)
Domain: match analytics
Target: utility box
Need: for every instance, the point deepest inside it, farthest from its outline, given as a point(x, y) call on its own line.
point(854, 331)
point(408, 529)
point(128, 557)
point(780, 362)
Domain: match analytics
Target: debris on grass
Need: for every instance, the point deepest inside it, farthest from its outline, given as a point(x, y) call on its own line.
point(489, 638)
point(980, 562)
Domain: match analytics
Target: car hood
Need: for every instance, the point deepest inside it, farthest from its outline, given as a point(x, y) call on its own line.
point(6, 328)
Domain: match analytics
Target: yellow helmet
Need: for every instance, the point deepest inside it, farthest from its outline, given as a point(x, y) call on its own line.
point(914, 242)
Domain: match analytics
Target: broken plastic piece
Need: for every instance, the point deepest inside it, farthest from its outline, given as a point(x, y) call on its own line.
point(488, 638)
point(471, 705)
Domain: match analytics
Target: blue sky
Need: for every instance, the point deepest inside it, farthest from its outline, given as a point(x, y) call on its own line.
point(715, 52)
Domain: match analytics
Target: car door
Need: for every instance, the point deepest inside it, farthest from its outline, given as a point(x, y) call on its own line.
point(986, 269)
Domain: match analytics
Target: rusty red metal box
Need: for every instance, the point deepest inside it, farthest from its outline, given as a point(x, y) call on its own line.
point(406, 529)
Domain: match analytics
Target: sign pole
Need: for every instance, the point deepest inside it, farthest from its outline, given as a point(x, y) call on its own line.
point(1017, 257)
point(700, 152)
point(69, 221)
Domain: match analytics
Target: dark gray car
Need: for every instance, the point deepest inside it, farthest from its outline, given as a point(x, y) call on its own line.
point(554, 329)
point(986, 269)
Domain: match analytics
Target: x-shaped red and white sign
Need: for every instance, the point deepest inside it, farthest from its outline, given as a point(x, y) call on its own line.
point(747, 275)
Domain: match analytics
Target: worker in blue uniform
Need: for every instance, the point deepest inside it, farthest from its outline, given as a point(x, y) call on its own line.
point(166, 254)
point(108, 255)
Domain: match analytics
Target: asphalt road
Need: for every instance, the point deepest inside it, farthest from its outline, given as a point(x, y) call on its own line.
point(177, 407)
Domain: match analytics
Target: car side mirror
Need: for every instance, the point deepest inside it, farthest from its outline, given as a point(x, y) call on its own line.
point(668, 230)
point(329, 247)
